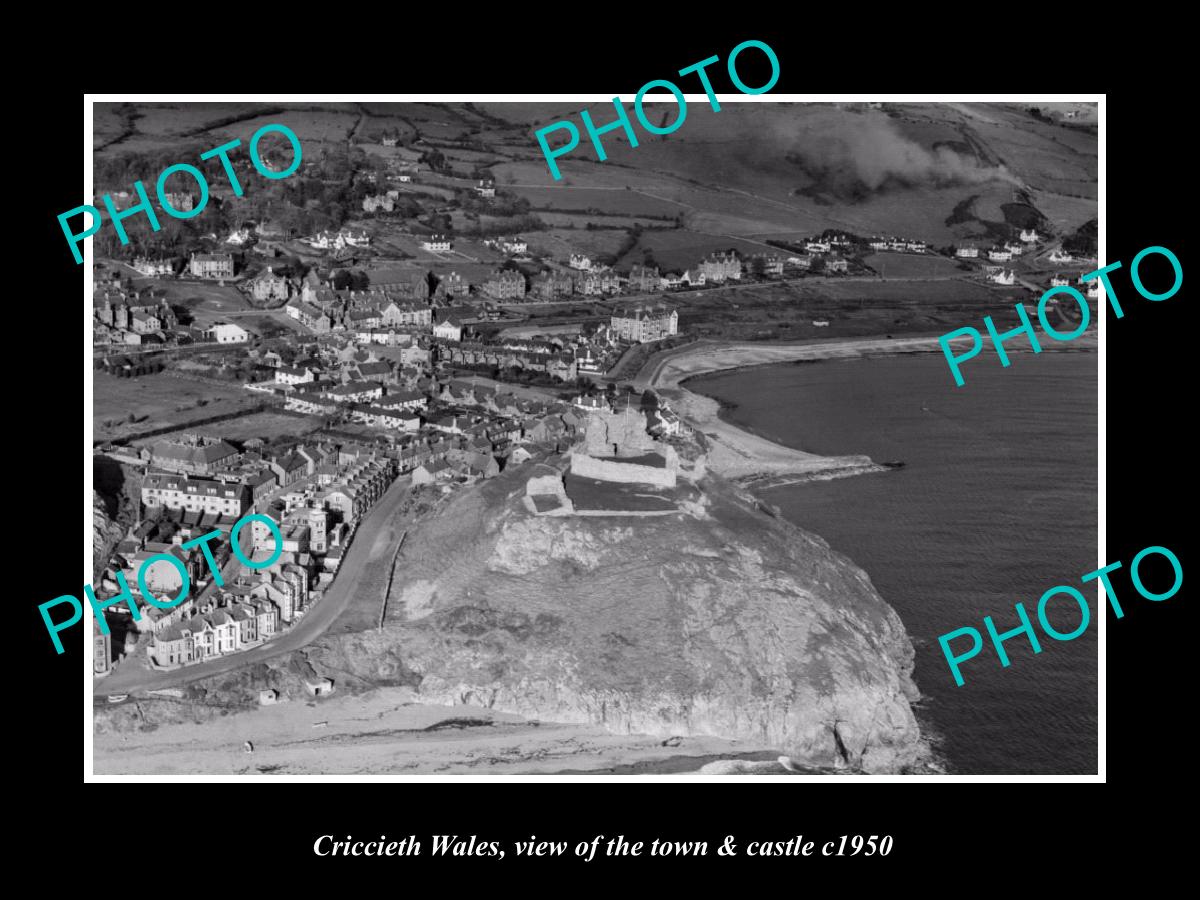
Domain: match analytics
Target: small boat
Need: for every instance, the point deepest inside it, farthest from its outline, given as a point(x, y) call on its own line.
point(117, 698)
point(894, 464)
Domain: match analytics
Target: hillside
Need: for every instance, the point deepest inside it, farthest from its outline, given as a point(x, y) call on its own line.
point(939, 172)
point(722, 622)
point(727, 622)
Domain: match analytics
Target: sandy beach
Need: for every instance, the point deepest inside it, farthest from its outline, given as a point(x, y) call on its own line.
point(736, 453)
point(746, 457)
point(384, 732)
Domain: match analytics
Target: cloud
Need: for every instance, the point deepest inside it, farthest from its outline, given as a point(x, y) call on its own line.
point(856, 154)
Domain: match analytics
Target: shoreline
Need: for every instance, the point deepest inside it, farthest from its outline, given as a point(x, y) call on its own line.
point(751, 459)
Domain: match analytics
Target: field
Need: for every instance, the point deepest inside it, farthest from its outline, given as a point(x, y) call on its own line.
point(265, 425)
point(562, 242)
point(597, 220)
point(682, 249)
point(912, 265)
point(156, 401)
point(853, 308)
point(208, 303)
point(944, 173)
point(611, 201)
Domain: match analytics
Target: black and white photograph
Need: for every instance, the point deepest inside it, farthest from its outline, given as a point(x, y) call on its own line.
point(434, 437)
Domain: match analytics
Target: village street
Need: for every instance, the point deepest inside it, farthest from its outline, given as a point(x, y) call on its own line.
point(370, 553)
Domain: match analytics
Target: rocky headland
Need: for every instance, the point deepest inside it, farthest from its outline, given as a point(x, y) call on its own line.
point(721, 622)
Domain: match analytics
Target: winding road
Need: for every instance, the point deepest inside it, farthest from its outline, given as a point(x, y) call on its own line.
point(371, 552)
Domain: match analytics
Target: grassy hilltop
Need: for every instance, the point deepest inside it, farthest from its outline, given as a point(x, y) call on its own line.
point(937, 172)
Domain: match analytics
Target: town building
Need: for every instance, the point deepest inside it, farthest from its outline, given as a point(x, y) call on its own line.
point(211, 265)
point(154, 268)
point(381, 202)
point(180, 201)
point(228, 333)
point(449, 329)
point(437, 243)
point(268, 285)
point(101, 650)
point(294, 375)
point(505, 284)
point(645, 279)
point(642, 324)
point(309, 316)
point(163, 489)
point(597, 281)
point(721, 267)
point(552, 285)
point(454, 285)
point(193, 454)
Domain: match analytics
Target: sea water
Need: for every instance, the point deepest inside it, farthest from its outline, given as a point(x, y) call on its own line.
point(996, 503)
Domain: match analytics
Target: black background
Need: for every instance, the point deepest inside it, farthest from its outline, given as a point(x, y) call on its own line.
point(990, 833)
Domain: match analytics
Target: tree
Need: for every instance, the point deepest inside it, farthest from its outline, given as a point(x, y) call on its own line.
point(649, 399)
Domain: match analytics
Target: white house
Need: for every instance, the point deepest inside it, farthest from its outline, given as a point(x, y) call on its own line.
point(1029, 236)
point(238, 236)
point(999, 255)
point(228, 333)
point(581, 262)
point(1059, 281)
point(438, 243)
point(293, 375)
point(448, 330)
point(967, 252)
point(1005, 278)
point(1060, 256)
point(153, 268)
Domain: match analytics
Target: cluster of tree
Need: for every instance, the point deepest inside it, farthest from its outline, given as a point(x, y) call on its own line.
point(1083, 241)
point(518, 375)
point(485, 369)
point(505, 226)
point(350, 279)
point(129, 369)
point(433, 158)
point(118, 171)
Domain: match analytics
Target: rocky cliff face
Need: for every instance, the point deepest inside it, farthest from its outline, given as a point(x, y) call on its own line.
point(722, 621)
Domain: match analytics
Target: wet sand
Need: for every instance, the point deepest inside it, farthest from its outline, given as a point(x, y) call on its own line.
point(382, 732)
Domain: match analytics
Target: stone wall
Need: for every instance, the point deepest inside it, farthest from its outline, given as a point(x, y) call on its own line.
point(620, 433)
